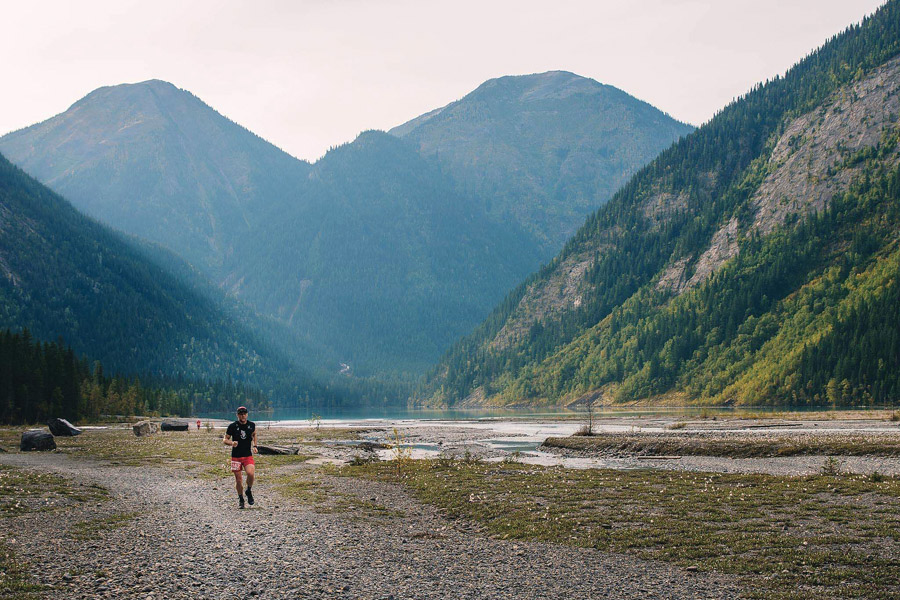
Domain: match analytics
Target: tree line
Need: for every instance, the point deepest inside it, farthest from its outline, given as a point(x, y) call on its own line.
point(42, 380)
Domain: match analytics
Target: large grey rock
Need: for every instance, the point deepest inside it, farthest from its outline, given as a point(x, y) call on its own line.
point(170, 425)
point(278, 450)
point(368, 446)
point(62, 428)
point(37, 440)
point(143, 428)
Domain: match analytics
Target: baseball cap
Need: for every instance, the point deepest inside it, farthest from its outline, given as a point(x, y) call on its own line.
point(242, 409)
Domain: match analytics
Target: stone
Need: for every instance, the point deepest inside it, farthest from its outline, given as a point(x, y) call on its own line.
point(143, 428)
point(277, 450)
point(370, 446)
point(37, 440)
point(171, 425)
point(62, 428)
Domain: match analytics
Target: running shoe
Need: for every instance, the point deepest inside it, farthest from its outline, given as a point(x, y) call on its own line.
point(240, 502)
point(249, 497)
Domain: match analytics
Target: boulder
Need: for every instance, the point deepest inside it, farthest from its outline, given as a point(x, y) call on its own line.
point(170, 425)
point(282, 450)
point(62, 428)
point(37, 440)
point(143, 428)
point(370, 446)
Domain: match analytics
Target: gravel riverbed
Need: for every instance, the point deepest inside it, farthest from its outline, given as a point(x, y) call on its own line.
point(186, 538)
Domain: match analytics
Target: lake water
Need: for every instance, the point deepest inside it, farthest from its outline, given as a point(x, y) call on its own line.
point(455, 414)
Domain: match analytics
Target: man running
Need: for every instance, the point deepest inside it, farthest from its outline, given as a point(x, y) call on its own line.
point(241, 436)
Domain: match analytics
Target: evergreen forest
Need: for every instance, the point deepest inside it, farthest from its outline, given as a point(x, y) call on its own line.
point(43, 380)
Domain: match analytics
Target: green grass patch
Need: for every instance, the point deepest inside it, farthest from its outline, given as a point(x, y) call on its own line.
point(15, 582)
point(692, 443)
point(786, 537)
point(310, 487)
point(92, 528)
point(194, 450)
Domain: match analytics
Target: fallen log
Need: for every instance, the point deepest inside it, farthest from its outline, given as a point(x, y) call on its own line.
point(277, 450)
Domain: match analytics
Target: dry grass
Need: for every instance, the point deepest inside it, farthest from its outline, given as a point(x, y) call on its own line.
point(785, 537)
point(690, 443)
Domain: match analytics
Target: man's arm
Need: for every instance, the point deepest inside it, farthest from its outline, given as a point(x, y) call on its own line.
point(227, 441)
point(255, 449)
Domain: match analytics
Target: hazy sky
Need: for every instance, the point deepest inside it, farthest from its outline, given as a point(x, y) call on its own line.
point(309, 74)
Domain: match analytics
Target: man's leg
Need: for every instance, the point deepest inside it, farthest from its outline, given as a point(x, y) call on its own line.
point(238, 483)
point(251, 471)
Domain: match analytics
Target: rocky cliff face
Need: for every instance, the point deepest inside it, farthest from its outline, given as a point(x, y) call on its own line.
point(816, 157)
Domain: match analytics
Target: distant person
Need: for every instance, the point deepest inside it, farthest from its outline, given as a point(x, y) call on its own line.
point(241, 436)
point(198, 424)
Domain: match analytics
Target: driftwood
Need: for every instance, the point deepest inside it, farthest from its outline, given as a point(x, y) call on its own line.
point(277, 450)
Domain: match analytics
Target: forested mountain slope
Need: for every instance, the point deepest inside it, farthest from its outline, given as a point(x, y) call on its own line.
point(62, 274)
point(543, 150)
point(382, 258)
point(754, 262)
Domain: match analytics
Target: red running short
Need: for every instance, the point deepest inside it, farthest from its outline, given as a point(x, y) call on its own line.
point(240, 462)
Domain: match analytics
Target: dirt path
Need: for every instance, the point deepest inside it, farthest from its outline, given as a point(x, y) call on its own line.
point(189, 540)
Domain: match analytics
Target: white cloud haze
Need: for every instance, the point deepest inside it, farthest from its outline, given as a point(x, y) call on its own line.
point(307, 75)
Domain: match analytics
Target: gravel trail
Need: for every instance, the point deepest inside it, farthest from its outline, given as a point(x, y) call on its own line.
point(187, 539)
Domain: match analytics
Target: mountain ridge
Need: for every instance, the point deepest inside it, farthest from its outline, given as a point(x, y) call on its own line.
point(659, 297)
point(571, 140)
point(282, 235)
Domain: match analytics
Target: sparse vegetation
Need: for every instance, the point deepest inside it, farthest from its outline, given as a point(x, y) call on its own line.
point(831, 467)
point(708, 444)
point(587, 429)
point(25, 490)
point(15, 583)
point(786, 537)
point(400, 452)
point(86, 530)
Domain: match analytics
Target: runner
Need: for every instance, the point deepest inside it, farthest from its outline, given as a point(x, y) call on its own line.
point(241, 436)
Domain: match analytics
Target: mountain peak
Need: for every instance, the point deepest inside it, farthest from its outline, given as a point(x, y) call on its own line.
point(570, 140)
point(539, 86)
point(124, 136)
point(132, 91)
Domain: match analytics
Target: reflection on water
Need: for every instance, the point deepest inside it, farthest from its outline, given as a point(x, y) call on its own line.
point(513, 445)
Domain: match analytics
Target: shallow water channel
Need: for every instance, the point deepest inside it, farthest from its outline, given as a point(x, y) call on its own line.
point(520, 438)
